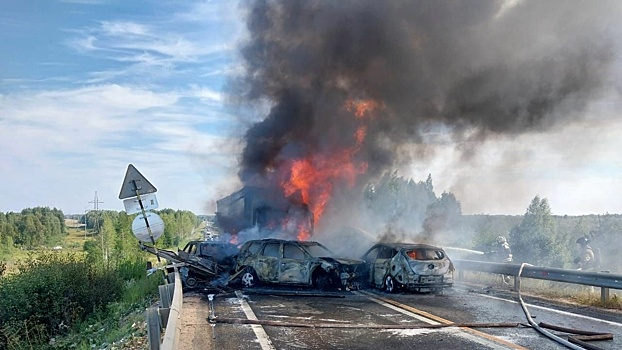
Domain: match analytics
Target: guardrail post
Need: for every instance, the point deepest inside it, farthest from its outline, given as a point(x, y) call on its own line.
point(516, 283)
point(154, 328)
point(604, 295)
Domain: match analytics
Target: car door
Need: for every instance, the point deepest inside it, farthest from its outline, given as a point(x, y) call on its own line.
point(370, 262)
point(294, 267)
point(267, 262)
point(382, 264)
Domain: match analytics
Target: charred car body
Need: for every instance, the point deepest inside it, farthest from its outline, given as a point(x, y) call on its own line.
point(215, 256)
point(416, 267)
point(287, 262)
point(202, 261)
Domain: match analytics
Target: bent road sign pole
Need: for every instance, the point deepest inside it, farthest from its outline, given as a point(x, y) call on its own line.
point(135, 184)
point(142, 209)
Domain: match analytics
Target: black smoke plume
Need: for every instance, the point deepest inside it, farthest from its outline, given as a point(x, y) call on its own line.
point(469, 69)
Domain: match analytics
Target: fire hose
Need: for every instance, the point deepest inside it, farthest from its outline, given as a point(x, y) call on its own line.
point(354, 326)
point(572, 340)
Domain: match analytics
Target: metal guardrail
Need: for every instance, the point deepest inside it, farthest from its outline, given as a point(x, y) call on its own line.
point(169, 314)
point(603, 280)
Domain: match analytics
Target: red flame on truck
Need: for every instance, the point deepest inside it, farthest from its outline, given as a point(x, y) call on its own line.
point(316, 175)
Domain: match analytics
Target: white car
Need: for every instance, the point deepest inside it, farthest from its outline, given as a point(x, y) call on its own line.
point(416, 267)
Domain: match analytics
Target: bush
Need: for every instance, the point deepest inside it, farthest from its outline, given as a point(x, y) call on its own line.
point(50, 294)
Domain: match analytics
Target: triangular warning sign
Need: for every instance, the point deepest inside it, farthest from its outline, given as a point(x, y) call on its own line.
point(134, 181)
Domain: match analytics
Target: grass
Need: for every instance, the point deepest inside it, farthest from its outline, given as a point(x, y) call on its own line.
point(123, 326)
point(73, 242)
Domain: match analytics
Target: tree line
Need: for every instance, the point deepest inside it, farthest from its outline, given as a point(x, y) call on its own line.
point(31, 227)
point(42, 226)
point(412, 211)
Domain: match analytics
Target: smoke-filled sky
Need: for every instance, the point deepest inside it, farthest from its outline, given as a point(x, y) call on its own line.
point(499, 100)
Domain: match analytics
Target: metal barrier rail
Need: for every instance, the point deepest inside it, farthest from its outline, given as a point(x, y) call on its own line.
point(597, 279)
point(169, 314)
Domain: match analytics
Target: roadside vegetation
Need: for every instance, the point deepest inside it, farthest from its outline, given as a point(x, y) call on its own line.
point(78, 287)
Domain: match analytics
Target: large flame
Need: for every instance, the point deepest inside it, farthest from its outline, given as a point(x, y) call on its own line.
point(315, 175)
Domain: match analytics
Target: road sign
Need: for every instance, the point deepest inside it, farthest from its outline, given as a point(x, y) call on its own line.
point(140, 230)
point(135, 181)
point(132, 205)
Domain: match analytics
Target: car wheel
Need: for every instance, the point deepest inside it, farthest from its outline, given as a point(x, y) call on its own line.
point(389, 284)
point(191, 282)
point(249, 278)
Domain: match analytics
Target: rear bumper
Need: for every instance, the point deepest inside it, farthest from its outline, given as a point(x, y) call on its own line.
point(428, 285)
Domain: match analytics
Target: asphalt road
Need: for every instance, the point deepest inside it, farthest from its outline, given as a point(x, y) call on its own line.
point(372, 319)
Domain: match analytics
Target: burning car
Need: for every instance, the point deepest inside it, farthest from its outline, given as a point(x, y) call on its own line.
point(416, 267)
point(278, 261)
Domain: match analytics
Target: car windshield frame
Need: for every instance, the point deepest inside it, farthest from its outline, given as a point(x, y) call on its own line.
point(313, 248)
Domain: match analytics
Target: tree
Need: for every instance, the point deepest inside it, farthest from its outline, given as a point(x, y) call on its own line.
point(534, 239)
point(442, 216)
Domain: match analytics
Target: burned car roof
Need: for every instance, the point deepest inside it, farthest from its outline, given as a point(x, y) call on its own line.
point(408, 245)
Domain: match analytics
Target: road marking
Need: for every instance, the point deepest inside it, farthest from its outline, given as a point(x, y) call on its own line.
point(565, 313)
point(476, 336)
point(260, 333)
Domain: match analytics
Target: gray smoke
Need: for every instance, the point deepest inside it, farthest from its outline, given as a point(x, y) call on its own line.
point(470, 69)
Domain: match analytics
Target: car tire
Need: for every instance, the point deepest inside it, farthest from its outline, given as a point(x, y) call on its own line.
point(249, 278)
point(191, 282)
point(389, 284)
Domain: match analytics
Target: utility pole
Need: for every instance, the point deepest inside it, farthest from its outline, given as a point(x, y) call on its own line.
point(96, 202)
point(86, 211)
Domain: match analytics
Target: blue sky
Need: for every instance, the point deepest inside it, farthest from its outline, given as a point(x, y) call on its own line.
point(88, 87)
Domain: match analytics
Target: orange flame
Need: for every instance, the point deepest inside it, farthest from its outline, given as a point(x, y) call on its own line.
point(316, 175)
point(360, 107)
point(233, 239)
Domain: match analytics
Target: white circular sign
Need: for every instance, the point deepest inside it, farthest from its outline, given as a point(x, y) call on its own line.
point(139, 227)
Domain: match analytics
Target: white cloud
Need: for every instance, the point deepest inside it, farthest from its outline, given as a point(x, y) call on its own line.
point(67, 141)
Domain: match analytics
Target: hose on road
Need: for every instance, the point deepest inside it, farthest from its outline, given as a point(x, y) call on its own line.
point(572, 340)
point(362, 326)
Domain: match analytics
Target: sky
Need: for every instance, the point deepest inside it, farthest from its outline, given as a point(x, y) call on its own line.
point(88, 87)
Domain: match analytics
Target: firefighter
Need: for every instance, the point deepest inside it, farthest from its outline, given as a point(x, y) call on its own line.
point(503, 254)
point(586, 259)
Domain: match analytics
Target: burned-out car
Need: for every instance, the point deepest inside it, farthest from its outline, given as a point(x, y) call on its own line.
point(416, 267)
point(204, 256)
point(278, 261)
point(221, 253)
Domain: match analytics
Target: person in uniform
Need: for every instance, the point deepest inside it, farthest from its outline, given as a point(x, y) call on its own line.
point(503, 253)
point(586, 259)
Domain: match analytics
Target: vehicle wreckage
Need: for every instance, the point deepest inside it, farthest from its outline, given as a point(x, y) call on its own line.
point(289, 262)
point(267, 261)
point(416, 267)
point(200, 262)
